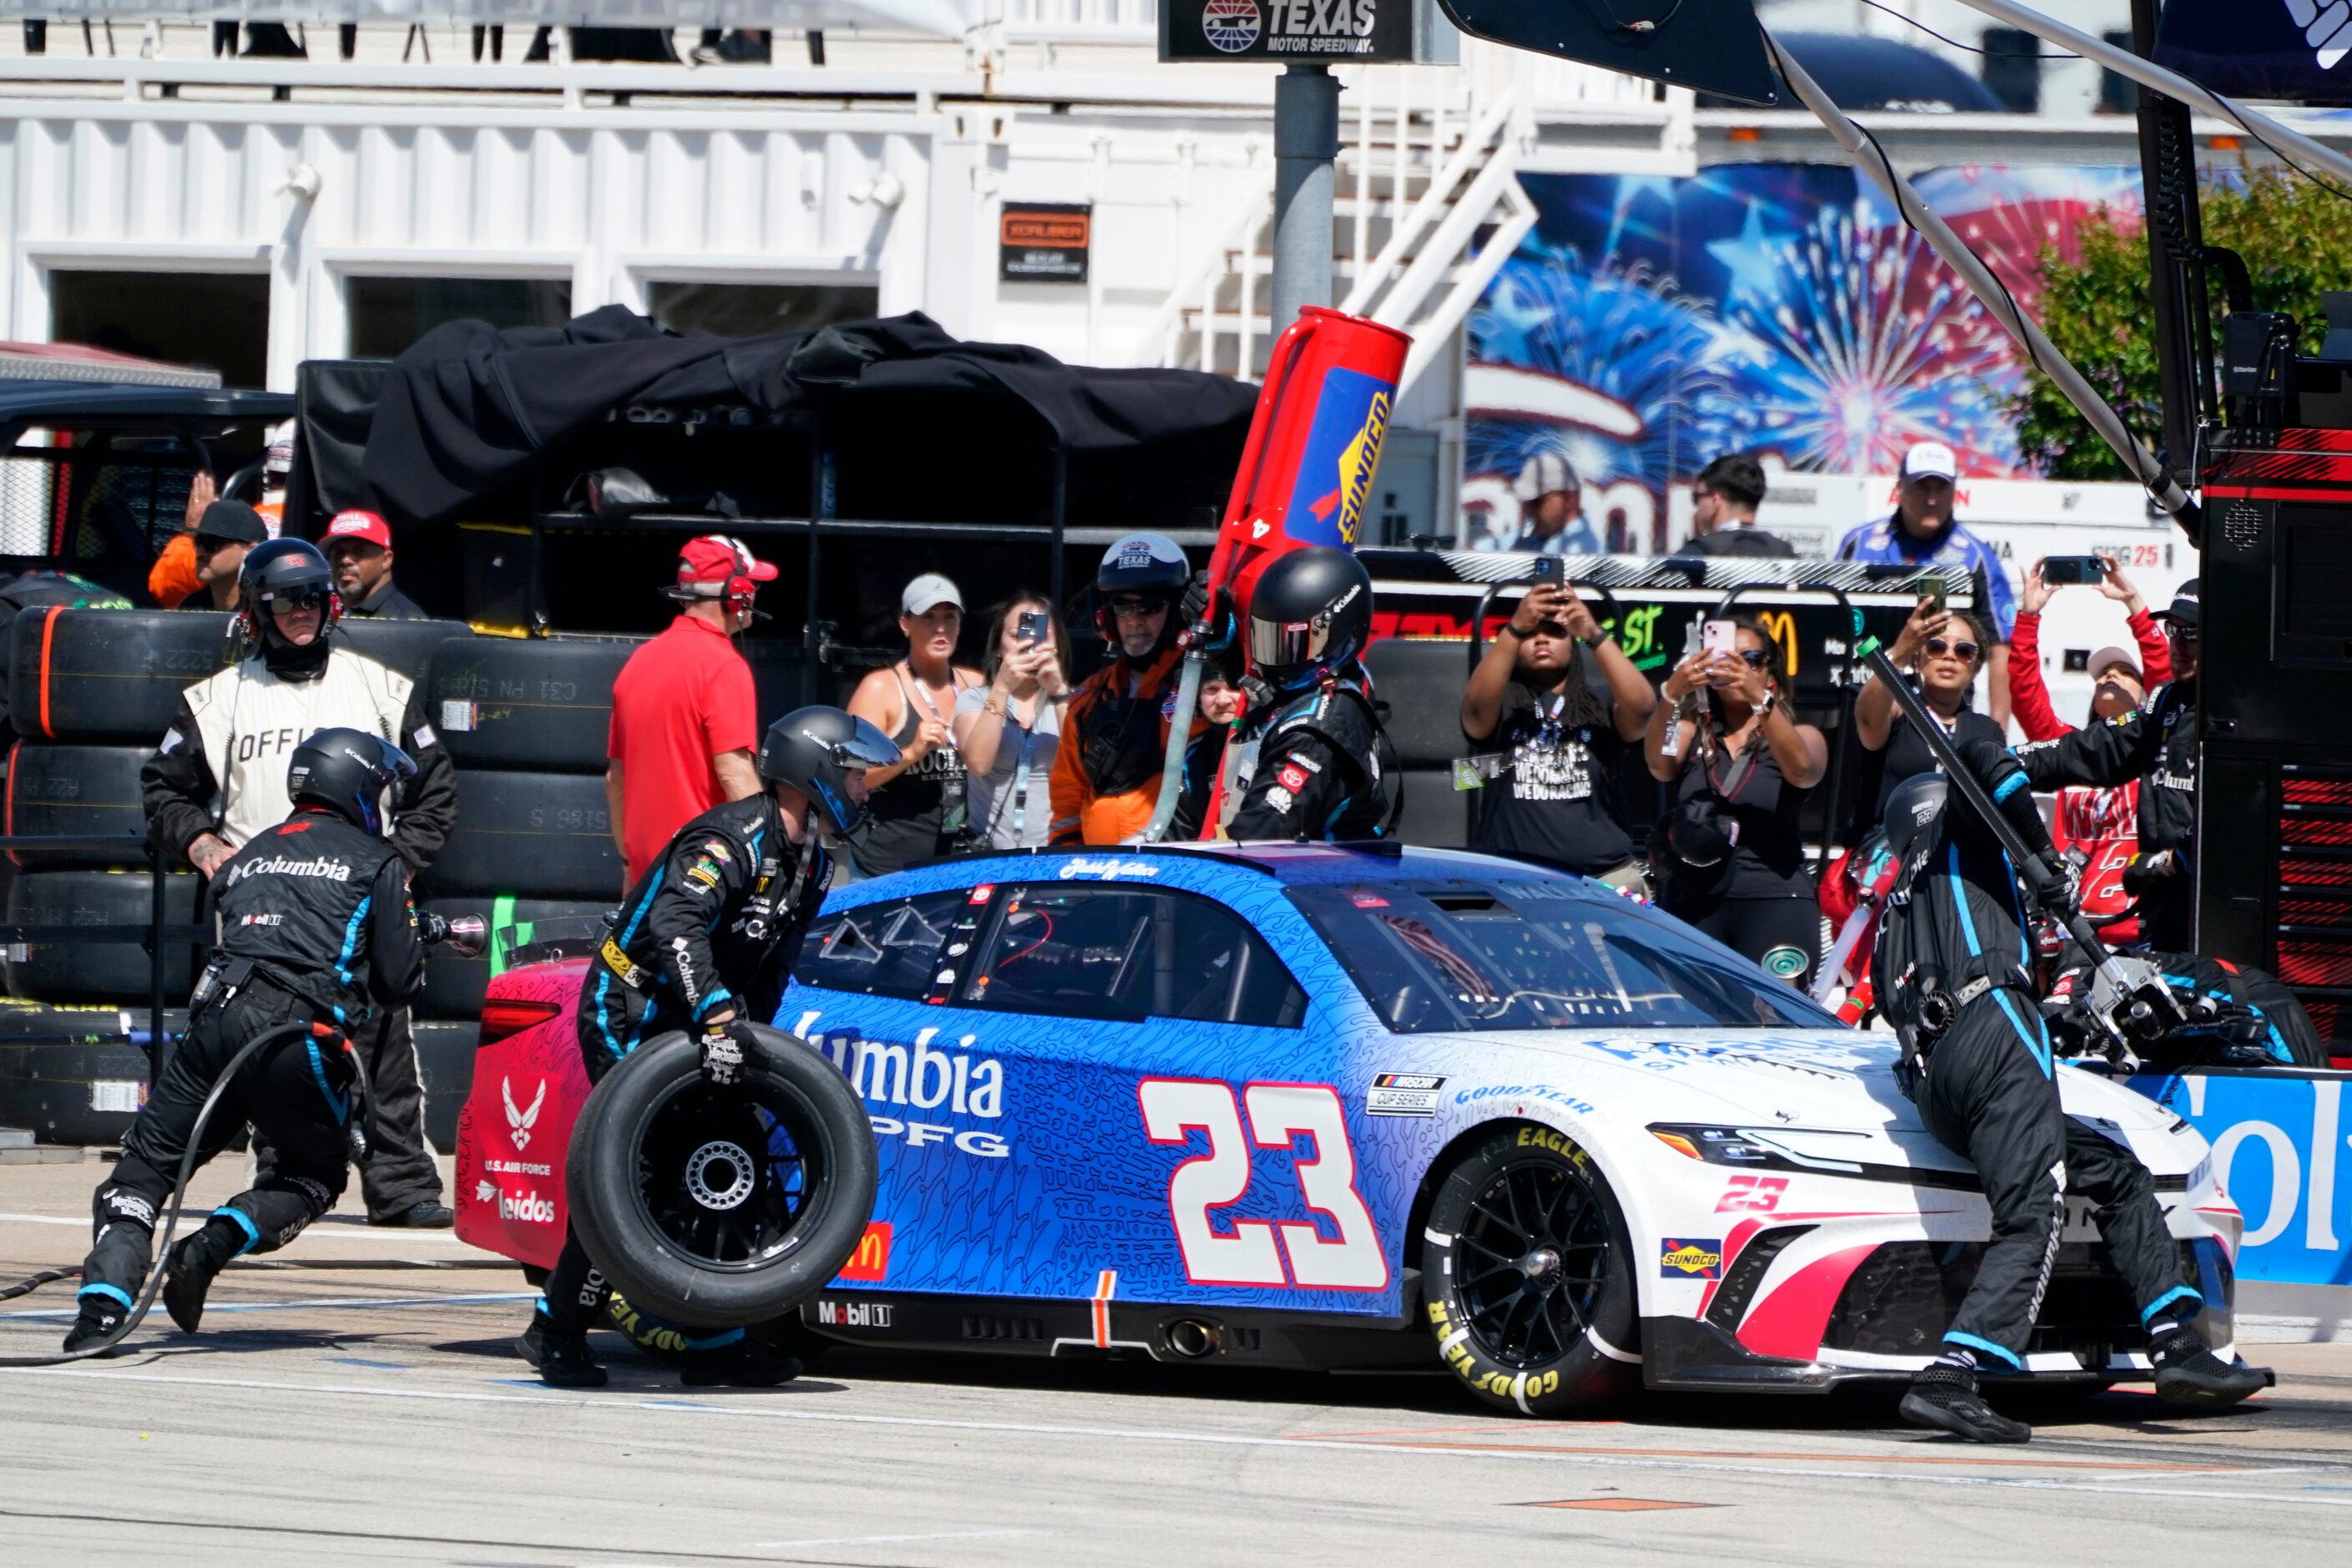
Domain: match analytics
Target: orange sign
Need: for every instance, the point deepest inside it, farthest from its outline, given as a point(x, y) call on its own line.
point(1043, 242)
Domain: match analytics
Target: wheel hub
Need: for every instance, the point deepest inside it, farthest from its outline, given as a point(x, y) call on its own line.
point(718, 1175)
point(1542, 1267)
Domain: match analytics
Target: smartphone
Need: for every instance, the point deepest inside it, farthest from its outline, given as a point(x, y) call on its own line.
point(2059, 570)
point(1546, 569)
point(1719, 637)
point(1030, 628)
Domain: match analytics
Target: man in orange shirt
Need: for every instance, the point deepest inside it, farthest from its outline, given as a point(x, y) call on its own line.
point(685, 717)
point(1115, 732)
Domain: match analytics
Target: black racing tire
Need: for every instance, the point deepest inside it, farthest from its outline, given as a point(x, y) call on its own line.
point(81, 790)
point(109, 675)
point(445, 1062)
point(540, 835)
point(454, 984)
point(75, 1076)
point(63, 969)
point(405, 647)
point(1528, 1274)
point(542, 703)
point(718, 1207)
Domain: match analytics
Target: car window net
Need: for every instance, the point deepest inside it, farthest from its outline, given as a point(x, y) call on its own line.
point(1537, 954)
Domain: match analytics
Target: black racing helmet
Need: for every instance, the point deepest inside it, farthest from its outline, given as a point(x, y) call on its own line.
point(817, 751)
point(348, 771)
point(1912, 810)
point(1310, 612)
point(284, 568)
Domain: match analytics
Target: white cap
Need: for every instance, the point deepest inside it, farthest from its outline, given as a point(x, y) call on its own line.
point(926, 591)
point(1930, 460)
point(1543, 474)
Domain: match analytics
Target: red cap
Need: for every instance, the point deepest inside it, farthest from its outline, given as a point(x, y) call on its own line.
point(364, 525)
point(714, 559)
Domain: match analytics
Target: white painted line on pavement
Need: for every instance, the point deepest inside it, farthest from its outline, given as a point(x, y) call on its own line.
point(1211, 1439)
point(342, 1301)
point(879, 1540)
point(375, 1235)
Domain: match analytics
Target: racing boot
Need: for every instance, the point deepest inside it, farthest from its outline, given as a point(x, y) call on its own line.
point(746, 1364)
point(98, 1319)
point(1944, 1395)
point(2188, 1372)
point(190, 1267)
point(562, 1355)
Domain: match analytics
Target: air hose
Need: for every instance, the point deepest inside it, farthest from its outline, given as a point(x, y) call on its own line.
point(253, 1047)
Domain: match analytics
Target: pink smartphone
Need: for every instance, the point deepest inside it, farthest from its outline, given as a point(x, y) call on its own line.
point(1718, 636)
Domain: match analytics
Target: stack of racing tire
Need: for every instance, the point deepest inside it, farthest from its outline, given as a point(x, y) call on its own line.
point(90, 692)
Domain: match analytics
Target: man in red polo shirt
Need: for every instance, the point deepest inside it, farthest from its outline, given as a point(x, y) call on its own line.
point(684, 720)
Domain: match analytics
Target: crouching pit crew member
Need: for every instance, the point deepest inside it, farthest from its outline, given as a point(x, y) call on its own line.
point(1952, 967)
point(1306, 761)
point(315, 928)
point(705, 943)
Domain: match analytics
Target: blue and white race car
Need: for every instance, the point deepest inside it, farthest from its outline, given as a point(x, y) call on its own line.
point(1307, 1106)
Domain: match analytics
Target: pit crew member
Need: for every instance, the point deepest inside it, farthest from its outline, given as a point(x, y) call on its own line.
point(705, 942)
point(1309, 761)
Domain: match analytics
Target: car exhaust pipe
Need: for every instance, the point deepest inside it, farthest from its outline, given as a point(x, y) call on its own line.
point(1192, 1339)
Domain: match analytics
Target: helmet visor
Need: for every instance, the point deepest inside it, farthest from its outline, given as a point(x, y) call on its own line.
point(1287, 645)
point(866, 747)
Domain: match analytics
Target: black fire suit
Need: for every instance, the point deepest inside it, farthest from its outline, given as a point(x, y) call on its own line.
point(316, 927)
point(1320, 765)
point(718, 920)
point(255, 714)
point(1953, 966)
point(2157, 746)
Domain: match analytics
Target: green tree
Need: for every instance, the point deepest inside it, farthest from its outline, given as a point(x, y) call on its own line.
point(2096, 311)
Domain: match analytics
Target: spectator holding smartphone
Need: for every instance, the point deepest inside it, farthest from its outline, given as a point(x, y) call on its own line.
point(1553, 793)
point(1010, 728)
point(1730, 857)
point(2101, 823)
point(1944, 649)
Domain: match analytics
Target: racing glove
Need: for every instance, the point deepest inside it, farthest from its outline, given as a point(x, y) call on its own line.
point(2147, 870)
point(2060, 891)
point(724, 1048)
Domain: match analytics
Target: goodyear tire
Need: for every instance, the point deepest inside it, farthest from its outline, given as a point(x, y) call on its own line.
point(718, 1207)
point(454, 984)
point(1527, 1273)
point(540, 703)
point(82, 790)
point(546, 835)
point(409, 648)
point(108, 675)
point(64, 969)
point(75, 1076)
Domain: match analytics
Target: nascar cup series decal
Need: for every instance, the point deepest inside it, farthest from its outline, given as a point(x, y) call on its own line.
point(1343, 448)
point(1403, 1094)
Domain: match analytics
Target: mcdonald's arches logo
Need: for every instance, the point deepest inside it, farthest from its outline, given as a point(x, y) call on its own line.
point(870, 1264)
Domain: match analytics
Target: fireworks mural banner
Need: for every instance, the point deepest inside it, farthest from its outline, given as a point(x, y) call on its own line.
point(1648, 325)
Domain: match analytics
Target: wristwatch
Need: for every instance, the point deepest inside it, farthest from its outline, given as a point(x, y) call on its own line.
point(1771, 700)
point(1596, 641)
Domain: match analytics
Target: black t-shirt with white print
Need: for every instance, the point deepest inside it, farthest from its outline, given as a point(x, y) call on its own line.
point(1557, 795)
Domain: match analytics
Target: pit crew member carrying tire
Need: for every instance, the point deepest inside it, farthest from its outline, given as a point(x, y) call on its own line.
point(1307, 763)
point(1952, 963)
point(316, 928)
point(705, 943)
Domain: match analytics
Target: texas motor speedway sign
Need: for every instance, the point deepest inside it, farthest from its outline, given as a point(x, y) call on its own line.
point(1283, 30)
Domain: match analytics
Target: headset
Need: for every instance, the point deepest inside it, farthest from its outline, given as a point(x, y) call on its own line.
point(738, 591)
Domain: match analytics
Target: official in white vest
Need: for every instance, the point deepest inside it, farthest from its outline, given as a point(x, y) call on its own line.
point(219, 778)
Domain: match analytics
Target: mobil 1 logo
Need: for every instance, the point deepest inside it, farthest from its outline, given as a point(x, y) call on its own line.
point(1305, 30)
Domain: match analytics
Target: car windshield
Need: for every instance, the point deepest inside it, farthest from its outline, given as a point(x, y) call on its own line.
point(1537, 954)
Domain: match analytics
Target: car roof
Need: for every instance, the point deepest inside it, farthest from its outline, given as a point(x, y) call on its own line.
point(1298, 864)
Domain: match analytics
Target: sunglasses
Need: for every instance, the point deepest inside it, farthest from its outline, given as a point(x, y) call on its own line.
point(1942, 646)
point(1135, 609)
point(206, 544)
point(296, 600)
point(2179, 632)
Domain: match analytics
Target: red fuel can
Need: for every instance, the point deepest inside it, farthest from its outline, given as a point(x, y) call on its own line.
point(1307, 470)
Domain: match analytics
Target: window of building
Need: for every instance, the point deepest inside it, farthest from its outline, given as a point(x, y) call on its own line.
point(216, 319)
point(2012, 69)
point(387, 314)
point(754, 310)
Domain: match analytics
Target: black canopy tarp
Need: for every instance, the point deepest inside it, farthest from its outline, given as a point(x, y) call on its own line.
point(468, 409)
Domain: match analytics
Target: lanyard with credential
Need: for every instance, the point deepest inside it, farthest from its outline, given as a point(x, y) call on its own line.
point(951, 784)
point(1021, 773)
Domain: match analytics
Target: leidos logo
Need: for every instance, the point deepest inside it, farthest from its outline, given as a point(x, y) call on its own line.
point(528, 1207)
point(519, 1122)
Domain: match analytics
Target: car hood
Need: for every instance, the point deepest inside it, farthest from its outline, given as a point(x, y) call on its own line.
point(1784, 1085)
